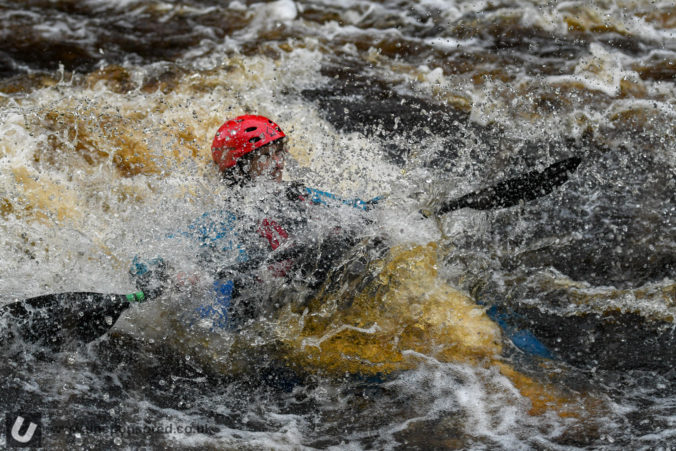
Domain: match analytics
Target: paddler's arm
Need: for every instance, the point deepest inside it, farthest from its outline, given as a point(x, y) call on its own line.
point(325, 198)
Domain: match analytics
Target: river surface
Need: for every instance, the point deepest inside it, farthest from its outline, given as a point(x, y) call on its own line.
point(107, 112)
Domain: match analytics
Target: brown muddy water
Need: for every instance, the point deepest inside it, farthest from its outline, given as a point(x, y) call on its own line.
point(108, 109)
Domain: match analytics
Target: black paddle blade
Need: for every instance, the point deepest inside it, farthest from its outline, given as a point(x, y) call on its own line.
point(54, 320)
point(526, 187)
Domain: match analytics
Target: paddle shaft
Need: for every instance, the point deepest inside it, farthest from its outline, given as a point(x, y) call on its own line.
point(510, 192)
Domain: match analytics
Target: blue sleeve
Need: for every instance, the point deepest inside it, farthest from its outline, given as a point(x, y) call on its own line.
point(326, 198)
point(215, 231)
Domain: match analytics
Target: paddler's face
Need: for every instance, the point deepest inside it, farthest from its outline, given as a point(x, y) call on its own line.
point(268, 162)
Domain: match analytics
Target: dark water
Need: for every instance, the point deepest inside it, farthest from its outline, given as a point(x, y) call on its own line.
point(108, 111)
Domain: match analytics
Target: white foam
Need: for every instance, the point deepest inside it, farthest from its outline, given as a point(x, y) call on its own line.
point(491, 408)
point(450, 43)
point(602, 70)
point(237, 6)
point(282, 10)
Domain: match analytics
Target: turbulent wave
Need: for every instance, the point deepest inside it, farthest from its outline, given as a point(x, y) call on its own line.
point(108, 110)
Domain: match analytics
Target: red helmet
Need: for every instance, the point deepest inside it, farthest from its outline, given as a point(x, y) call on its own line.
point(241, 135)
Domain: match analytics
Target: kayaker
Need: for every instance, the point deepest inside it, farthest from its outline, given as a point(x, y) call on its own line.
point(288, 238)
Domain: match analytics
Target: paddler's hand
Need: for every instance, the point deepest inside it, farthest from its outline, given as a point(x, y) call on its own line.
point(149, 276)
